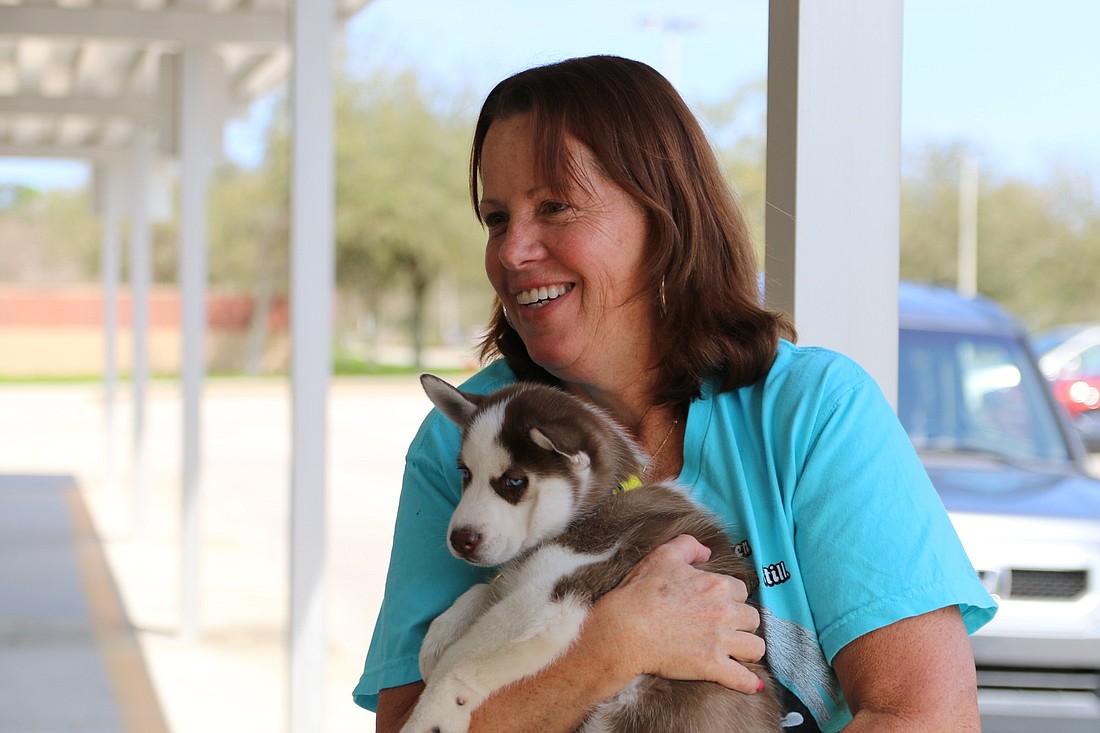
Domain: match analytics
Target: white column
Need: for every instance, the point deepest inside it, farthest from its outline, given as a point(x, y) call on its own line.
point(111, 194)
point(199, 78)
point(141, 278)
point(311, 286)
point(833, 172)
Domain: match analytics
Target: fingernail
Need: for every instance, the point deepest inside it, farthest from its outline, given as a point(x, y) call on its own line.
point(760, 685)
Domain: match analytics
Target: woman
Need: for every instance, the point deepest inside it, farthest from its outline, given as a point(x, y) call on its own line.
point(624, 274)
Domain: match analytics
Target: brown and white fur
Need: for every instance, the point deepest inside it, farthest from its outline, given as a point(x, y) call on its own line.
point(539, 467)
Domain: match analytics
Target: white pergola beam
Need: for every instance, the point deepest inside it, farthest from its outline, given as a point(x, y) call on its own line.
point(87, 105)
point(80, 152)
point(833, 176)
point(261, 76)
point(179, 26)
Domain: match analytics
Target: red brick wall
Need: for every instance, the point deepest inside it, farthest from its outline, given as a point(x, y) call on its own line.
point(82, 305)
point(58, 330)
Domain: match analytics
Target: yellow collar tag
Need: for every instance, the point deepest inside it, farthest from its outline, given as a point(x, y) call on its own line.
point(628, 484)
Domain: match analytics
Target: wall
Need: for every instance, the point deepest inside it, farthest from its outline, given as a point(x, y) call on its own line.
point(58, 331)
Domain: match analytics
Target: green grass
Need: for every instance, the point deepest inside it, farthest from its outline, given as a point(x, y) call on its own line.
point(6, 379)
point(341, 367)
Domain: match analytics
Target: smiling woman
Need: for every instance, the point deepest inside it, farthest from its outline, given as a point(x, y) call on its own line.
point(566, 265)
point(624, 274)
point(635, 160)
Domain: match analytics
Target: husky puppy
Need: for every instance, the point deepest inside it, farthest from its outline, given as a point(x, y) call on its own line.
point(540, 469)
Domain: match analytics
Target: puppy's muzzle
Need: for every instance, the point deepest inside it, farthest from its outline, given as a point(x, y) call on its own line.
point(465, 541)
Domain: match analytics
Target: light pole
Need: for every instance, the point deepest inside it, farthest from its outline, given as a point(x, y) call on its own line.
point(673, 30)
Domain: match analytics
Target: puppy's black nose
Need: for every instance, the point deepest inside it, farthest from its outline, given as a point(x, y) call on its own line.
point(465, 540)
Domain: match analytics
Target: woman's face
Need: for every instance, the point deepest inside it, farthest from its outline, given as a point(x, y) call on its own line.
point(568, 268)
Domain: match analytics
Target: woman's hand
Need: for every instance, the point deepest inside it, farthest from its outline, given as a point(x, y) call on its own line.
point(675, 621)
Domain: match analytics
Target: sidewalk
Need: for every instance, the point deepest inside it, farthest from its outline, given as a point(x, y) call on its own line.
point(69, 660)
point(233, 676)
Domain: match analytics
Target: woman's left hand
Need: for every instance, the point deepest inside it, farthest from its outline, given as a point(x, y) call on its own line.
point(679, 622)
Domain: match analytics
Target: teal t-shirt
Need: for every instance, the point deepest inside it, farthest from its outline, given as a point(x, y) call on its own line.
point(822, 492)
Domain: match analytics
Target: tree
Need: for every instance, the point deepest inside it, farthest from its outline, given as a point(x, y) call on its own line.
point(930, 215)
point(402, 217)
point(249, 238)
point(1038, 242)
point(737, 129)
point(1039, 249)
point(403, 211)
point(47, 236)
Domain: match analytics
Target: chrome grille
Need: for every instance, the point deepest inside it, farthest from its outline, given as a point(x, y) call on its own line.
point(1047, 584)
point(1028, 584)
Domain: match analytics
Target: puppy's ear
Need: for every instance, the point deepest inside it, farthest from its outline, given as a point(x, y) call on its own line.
point(542, 438)
point(458, 406)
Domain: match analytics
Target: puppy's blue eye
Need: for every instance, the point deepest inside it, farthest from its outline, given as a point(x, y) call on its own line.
point(465, 473)
point(513, 482)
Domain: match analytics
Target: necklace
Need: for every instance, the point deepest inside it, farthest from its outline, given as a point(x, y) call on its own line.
point(661, 447)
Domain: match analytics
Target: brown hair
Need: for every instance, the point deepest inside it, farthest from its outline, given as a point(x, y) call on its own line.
point(702, 268)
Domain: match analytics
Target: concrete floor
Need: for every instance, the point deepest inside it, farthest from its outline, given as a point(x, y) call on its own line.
point(232, 677)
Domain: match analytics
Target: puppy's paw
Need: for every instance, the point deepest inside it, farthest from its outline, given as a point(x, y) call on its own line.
point(445, 709)
point(450, 625)
point(437, 724)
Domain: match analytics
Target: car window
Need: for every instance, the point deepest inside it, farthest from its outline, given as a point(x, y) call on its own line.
point(1090, 361)
point(1047, 340)
point(975, 394)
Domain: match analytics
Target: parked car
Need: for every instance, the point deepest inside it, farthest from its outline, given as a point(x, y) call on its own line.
point(1070, 358)
point(1011, 471)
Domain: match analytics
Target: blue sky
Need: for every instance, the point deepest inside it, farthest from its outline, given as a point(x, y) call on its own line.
point(1018, 80)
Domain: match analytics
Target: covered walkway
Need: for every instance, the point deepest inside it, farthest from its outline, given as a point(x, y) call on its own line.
point(69, 658)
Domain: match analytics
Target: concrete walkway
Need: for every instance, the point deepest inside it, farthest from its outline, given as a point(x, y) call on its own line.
point(69, 659)
point(232, 676)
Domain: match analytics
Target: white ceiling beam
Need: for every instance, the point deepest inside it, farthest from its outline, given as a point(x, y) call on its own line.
point(133, 69)
point(78, 152)
point(138, 108)
point(180, 26)
point(261, 76)
point(32, 55)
